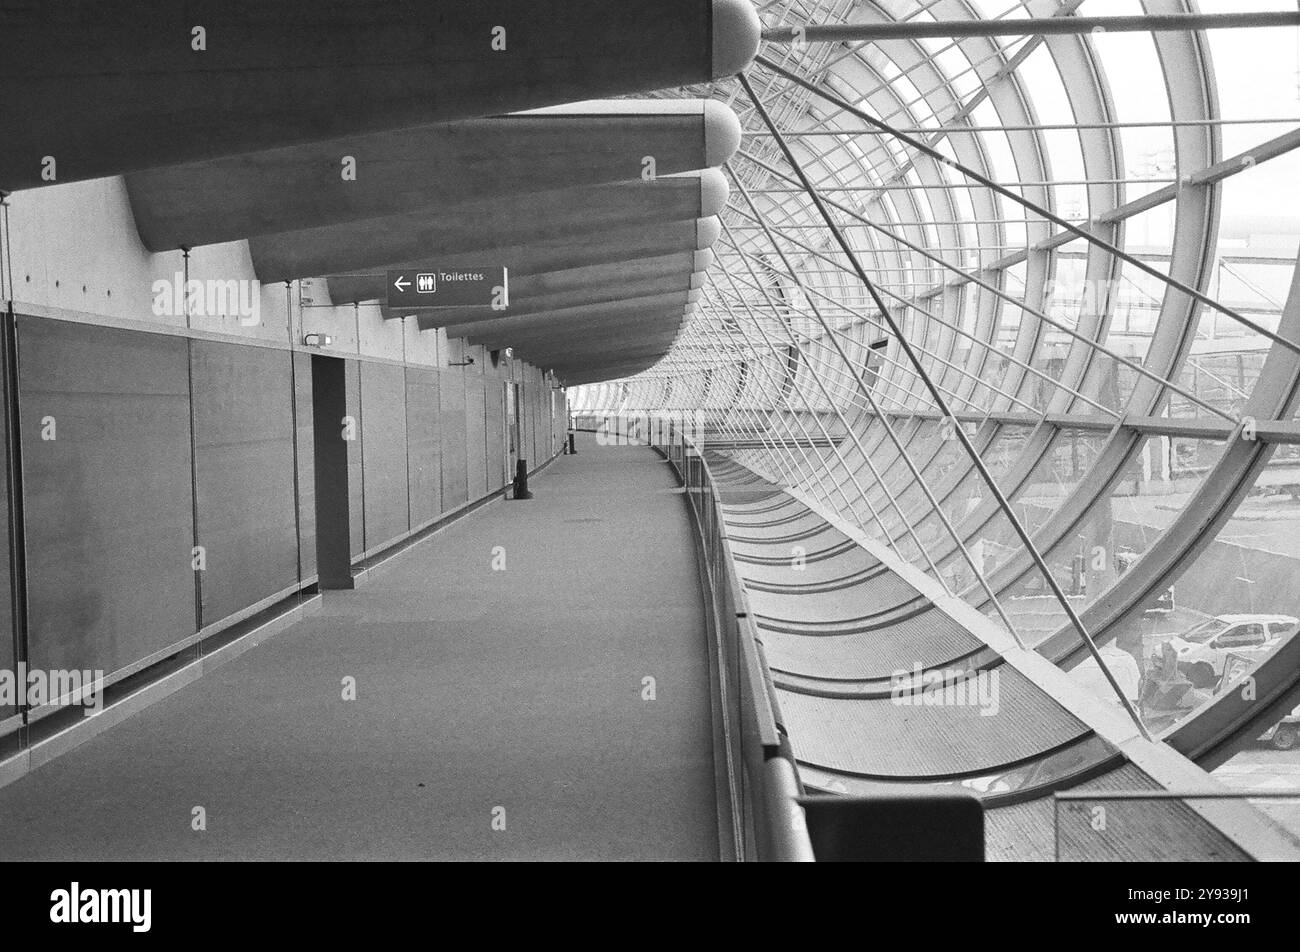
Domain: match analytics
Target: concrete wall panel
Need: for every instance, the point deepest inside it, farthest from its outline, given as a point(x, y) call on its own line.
point(356, 468)
point(496, 435)
point(244, 459)
point(109, 501)
point(383, 444)
point(476, 437)
point(455, 485)
point(424, 450)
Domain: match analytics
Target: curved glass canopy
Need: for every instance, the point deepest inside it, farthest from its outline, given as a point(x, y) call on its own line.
point(1022, 308)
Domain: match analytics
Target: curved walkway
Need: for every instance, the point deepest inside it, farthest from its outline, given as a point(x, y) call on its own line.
point(476, 689)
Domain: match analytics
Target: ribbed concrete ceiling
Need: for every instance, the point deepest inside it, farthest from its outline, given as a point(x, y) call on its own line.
point(111, 88)
point(647, 240)
point(485, 226)
point(344, 139)
point(436, 168)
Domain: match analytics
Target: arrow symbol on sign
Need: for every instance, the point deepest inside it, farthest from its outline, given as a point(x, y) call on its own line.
point(401, 283)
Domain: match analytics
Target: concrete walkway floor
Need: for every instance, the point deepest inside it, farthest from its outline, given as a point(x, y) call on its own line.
point(481, 695)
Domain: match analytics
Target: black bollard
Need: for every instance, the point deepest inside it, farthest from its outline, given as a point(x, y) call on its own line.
point(572, 448)
point(521, 480)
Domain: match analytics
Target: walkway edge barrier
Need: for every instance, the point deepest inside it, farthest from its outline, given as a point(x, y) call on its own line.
point(764, 782)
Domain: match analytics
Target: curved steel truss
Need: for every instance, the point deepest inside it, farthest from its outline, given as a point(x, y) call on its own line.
point(1022, 308)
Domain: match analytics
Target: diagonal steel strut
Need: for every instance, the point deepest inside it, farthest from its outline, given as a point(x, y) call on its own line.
point(939, 400)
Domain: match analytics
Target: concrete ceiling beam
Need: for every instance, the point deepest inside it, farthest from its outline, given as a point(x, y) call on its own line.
point(606, 293)
point(564, 364)
point(433, 168)
point(588, 328)
point(563, 361)
point(483, 328)
point(600, 248)
point(578, 378)
point(110, 88)
point(487, 226)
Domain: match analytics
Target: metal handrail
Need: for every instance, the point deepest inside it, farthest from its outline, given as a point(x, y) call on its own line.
point(772, 791)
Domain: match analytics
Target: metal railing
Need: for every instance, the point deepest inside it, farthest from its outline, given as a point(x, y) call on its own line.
point(764, 812)
point(763, 785)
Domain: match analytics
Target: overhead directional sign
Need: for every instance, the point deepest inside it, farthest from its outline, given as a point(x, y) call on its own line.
point(431, 286)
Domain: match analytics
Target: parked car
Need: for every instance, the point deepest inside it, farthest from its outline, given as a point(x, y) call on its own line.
point(1203, 650)
point(1285, 734)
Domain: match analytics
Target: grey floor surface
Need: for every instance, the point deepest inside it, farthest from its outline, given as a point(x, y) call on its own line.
point(480, 694)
